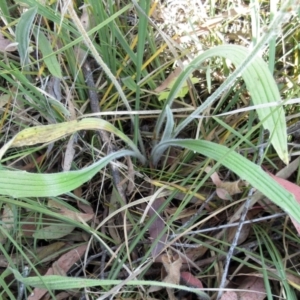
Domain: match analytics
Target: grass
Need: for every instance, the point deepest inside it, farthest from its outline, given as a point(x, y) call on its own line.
point(120, 178)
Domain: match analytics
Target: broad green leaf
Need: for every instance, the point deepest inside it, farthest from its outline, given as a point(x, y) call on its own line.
point(24, 184)
point(48, 56)
point(246, 170)
point(22, 33)
point(260, 84)
point(49, 133)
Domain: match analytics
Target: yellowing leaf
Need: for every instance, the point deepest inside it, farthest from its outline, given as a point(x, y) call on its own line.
point(53, 132)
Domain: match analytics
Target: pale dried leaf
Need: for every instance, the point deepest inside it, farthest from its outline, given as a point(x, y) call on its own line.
point(232, 188)
point(173, 273)
point(53, 88)
point(85, 19)
point(4, 99)
point(173, 269)
point(67, 260)
point(157, 227)
point(252, 284)
point(168, 81)
point(230, 296)
point(49, 252)
point(225, 189)
point(214, 177)
point(69, 154)
point(77, 216)
point(64, 263)
point(6, 45)
point(130, 174)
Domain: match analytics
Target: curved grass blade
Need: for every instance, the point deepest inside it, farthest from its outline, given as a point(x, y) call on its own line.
point(24, 184)
point(245, 169)
point(260, 83)
point(56, 282)
point(48, 56)
point(22, 33)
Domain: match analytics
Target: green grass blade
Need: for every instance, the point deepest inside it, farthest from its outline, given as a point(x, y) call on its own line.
point(56, 282)
point(246, 170)
point(24, 184)
point(142, 8)
point(47, 52)
point(22, 33)
point(4, 10)
point(169, 125)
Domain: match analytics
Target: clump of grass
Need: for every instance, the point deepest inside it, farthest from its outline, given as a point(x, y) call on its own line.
point(130, 183)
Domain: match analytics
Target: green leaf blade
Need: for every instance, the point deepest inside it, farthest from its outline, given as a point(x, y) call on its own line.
point(48, 55)
point(22, 33)
point(23, 184)
point(246, 170)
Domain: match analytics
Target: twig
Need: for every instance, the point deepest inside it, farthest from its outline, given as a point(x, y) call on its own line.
point(242, 221)
point(234, 243)
point(105, 138)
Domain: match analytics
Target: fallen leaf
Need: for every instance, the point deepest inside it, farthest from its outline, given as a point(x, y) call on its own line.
point(157, 227)
point(230, 296)
point(6, 45)
point(64, 263)
point(173, 273)
point(243, 235)
point(225, 189)
point(4, 99)
point(77, 216)
point(190, 280)
point(256, 288)
point(167, 82)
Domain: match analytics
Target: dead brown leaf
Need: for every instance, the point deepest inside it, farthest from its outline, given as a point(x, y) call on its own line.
point(77, 216)
point(157, 227)
point(61, 266)
point(252, 288)
point(173, 273)
point(167, 82)
point(225, 189)
point(190, 280)
point(243, 235)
